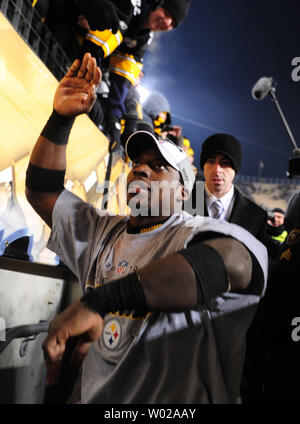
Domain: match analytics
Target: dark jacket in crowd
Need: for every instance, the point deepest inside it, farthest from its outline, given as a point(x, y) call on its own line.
point(248, 215)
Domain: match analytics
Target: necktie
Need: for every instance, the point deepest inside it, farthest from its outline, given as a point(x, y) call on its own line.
point(219, 210)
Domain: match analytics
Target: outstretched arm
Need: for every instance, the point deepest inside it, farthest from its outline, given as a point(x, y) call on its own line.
point(75, 95)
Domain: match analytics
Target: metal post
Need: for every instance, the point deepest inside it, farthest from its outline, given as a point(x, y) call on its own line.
point(272, 94)
point(4, 6)
point(17, 15)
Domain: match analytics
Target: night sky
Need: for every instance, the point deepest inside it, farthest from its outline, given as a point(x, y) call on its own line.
point(207, 67)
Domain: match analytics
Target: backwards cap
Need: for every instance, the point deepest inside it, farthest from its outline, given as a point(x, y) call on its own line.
point(173, 154)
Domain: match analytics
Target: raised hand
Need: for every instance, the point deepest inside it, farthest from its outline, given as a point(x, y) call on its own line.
point(76, 92)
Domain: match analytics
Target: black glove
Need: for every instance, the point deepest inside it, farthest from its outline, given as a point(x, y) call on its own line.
point(96, 114)
point(100, 14)
point(112, 131)
point(130, 128)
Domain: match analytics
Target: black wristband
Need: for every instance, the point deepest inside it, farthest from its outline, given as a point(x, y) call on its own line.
point(58, 128)
point(209, 270)
point(44, 180)
point(256, 285)
point(120, 295)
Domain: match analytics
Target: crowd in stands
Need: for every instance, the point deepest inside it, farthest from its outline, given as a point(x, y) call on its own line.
point(267, 193)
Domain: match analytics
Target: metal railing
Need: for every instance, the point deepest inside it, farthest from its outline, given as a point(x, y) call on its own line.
point(28, 23)
point(27, 332)
point(267, 180)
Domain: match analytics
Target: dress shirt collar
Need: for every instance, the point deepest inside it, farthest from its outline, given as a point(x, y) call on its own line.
point(226, 200)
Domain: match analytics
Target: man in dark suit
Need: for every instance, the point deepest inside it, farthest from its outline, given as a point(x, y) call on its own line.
point(220, 160)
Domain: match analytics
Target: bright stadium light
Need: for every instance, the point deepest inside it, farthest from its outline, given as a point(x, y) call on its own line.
point(143, 92)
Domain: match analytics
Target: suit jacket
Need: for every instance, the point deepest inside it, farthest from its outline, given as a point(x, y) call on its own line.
point(248, 215)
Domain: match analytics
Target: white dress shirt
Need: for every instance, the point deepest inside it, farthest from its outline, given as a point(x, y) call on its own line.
point(227, 201)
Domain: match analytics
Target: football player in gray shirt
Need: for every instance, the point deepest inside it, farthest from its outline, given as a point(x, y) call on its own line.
point(167, 298)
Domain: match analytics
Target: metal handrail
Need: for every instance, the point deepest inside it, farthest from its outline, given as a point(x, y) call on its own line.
point(27, 22)
point(23, 331)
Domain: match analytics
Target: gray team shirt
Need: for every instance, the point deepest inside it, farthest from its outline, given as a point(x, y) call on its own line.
point(193, 356)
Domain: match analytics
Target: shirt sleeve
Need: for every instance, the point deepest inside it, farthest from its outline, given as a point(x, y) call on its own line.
point(75, 225)
point(208, 227)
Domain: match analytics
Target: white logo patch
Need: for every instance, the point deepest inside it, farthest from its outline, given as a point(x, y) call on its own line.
point(137, 6)
point(111, 334)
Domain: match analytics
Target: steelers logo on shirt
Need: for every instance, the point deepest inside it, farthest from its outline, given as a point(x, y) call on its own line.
point(112, 334)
